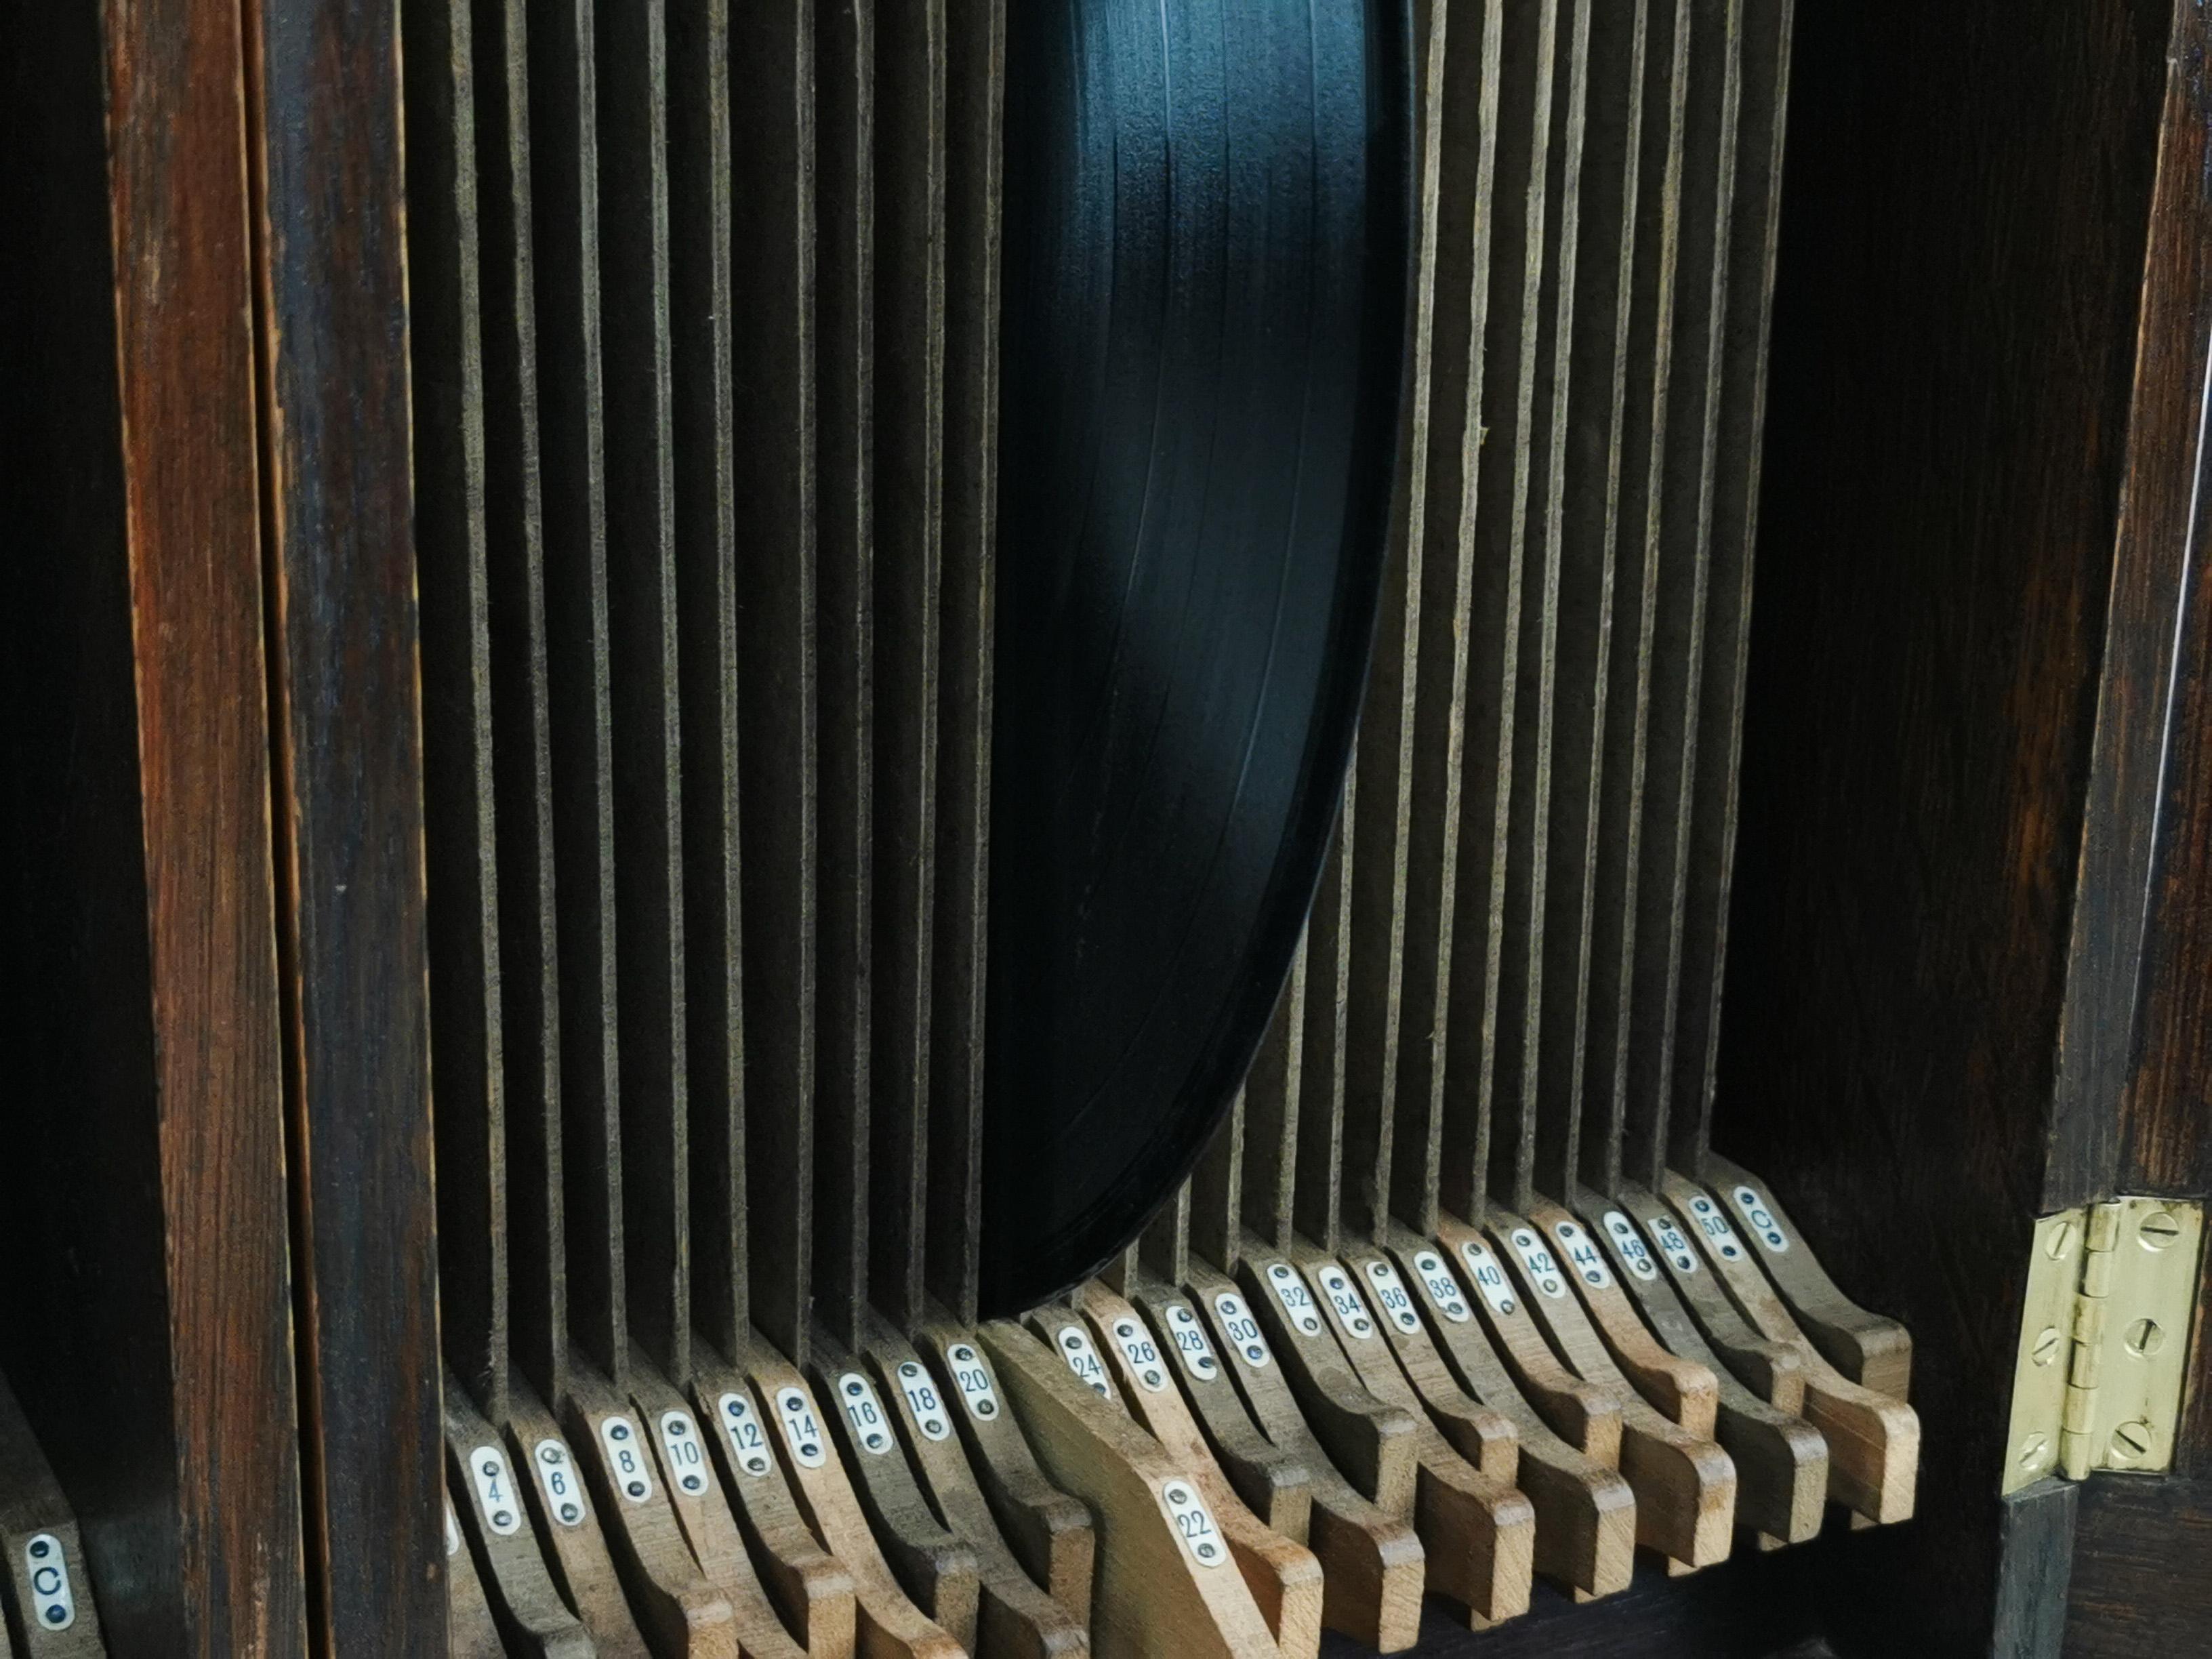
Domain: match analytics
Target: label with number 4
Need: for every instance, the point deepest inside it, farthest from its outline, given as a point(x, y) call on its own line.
point(1582, 1254)
point(1345, 1303)
point(1195, 1521)
point(1083, 1359)
point(626, 1459)
point(1719, 1237)
point(864, 1414)
point(1297, 1301)
point(1631, 1248)
point(1190, 1342)
point(1444, 1291)
point(556, 1475)
point(1763, 1227)
point(1543, 1268)
point(920, 1392)
point(686, 1452)
point(748, 1445)
point(1673, 1243)
point(1138, 1347)
point(1390, 1294)
point(1489, 1278)
point(801, 1433)
point(973, 1378)
point(494, 1482)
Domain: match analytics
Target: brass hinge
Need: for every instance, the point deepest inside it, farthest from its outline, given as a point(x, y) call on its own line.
point(2104, 1340)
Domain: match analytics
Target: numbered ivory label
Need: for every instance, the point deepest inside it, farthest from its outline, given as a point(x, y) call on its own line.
point(1761, 1219)
point(1719, 1237)
point(628, 1461)
point(1442, 1289)
point(802, 1431)
point(923, 1403)
point(686, 1452)
point(1083, 1359)
point(52, 1593)
point(1190, 1342)
point(1346, 1305)
point(1489, 1278)
point(1584, 1259)
point(1673, 1243)
point(1141, 1352)
point(495, 1493)
point(864, 1414)
point(1242, 1329)
point(1543, 1267)
point(1632, 1250)
point(556, 1479)
point(1391, 1295)
point(1195, 1521)
point(748, 1445)
point(452, 1531)
point(1297, 1301)
point(973, 1378)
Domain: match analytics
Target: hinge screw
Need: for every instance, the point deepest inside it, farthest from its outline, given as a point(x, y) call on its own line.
point(2059, 1240)
point(2145, 1337)
point(2047, 1346)
point(2158, 1229)
point(2132, 1441)
point(2033, 1450)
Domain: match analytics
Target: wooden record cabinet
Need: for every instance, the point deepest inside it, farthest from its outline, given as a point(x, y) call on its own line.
point(499, 528)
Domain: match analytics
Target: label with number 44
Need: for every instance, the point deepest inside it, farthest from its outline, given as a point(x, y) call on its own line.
point(1763, 1227)
point(1582, 1254)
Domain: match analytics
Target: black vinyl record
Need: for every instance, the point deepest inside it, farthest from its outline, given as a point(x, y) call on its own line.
point(1206, 212)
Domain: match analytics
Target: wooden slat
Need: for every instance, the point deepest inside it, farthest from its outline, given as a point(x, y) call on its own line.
point(1312, 1149)
point(1255, 1171)
point(772, 54)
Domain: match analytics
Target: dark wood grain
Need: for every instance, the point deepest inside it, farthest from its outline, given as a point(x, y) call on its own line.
point(1963, 231)
point(2139, 1585)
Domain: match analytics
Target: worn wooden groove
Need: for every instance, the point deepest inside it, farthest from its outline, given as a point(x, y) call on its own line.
point(576, 1546)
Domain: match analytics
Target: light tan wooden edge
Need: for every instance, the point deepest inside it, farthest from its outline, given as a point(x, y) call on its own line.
point(470, 1632)
point(1153, 1594)
point(1873, 1439)
point(1285, 1577)
point(682, 1614)
point(888, 1624)
point(1685, 1391)
point(1479, 1532)
point(39, 1534)
point(1781, 1460)
point(808, 1586)
point(1275, 1484)
point(1051, 1533)
point(1684, 1485)
point(1373, 1443)
point(1017, 1617)
point(1774, 1371)
point(693, 1481)
point(1372, 1563)
point(937, 1568)
point(1067, 1334)
point(1585, 1512)
point(1872, 1350)
point(531, 1617)
point(549, 1475)
point(1487, 1437)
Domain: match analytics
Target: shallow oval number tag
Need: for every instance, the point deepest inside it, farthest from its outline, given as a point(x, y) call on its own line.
point(922, 1401)
point(556, 1476)
point(973, 1378)
point(1673, 1243)
point(1143, 1354)
point(494, 1483)
point(1392, 1297)
point(800, 1430)
point(1187, 1511)
point(1444, 1291)
point(1631, 1248)
point(1242, 1329)
point(50, 1590)
point(1719, 1237)
point(685, 1451)
point(864, 1414)
point(1083, 1359)
point(626, 1459)
point(1489, 1278)
point(748, 1445)
point(1348, 1307)
point(1584, 1259)
point(1761, 1221)
point(1297, 1301)
point(1543, 1267)
point(1190, 1342)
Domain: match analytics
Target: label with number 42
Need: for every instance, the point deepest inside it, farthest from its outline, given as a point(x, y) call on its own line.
point(1543, 1268)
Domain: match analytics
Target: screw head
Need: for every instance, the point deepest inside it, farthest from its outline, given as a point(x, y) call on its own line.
point(502, 1518)
point(985, 1408)
point(41, 1549)
point(56, 1613)
point(852, 1388)
point(910, 1370)
point(635, 1489)
point(2158, 1230)
point(618, 1432)
point(2059, 1241)
point(2047, 1346)
point(2033, 1450)
point(2145, 1337)
point(2132, 1442)
point(569, 1512)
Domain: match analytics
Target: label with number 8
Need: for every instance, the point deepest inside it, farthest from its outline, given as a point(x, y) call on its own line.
point(626, 1459)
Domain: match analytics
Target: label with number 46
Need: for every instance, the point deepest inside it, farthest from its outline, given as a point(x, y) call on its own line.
point(1631, 1248)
